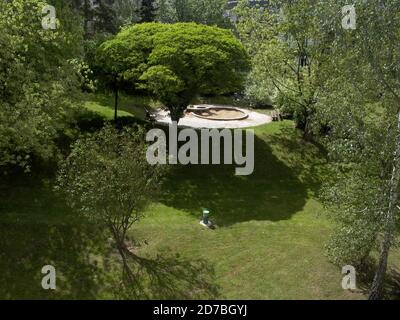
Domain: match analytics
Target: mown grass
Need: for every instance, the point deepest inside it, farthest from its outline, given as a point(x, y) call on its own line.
point(270, 235)
point(128, 106)
point(268, 243)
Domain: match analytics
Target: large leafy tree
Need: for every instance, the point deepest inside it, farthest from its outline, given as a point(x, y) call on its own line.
point(175, 62)
point(107, 179)
point(288, 50)
point(36, 81)
point(361, 105)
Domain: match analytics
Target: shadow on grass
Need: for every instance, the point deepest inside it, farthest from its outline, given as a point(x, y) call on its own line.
point(365, 277)
point(90, 121)
point(273, 192)
point(36, 229)
point(393, 285)
point(307, 159)
point(134, 104)
point(26, 248)
point(172, 277)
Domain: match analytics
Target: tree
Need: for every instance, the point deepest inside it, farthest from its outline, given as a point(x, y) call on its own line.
point(36, 81)
point(174, 63)
point(209, 12)
point(127, 12)
point(361, 105)
point(107, 179)
point(147, 11)
point(105, 17)
point(288, 51)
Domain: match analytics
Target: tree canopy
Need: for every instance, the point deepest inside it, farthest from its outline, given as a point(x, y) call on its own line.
point(209, 12)
point(175, 62)
point(36, 81)
point(107, 180)
point(288, 51)
point(360, 101)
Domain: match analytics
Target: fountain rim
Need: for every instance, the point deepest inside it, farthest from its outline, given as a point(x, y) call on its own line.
point(192, 108)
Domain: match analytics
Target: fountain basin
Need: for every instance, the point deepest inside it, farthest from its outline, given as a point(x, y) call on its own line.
point(217, 113)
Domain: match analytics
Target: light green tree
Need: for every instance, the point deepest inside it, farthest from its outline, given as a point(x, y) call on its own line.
point(175, 62)
point(36, 81)
point(288, 50)
point(360, 106)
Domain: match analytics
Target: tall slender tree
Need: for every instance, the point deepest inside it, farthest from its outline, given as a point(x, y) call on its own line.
point(147, 11)
point(361, 104)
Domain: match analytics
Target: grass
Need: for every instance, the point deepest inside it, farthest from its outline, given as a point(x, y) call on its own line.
point(268, 244)
point(271, 231)
point(129, 106)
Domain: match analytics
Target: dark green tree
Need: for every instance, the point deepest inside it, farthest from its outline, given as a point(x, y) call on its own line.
point(147, 11)
point(105, 17)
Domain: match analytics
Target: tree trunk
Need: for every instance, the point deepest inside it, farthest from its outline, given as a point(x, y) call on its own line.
point(122, 250)
point(86, 11)
point(176, 113)
point(116, 103)
point(376, 292)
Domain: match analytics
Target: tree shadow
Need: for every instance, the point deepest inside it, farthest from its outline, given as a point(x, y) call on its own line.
point(27, 248)
point(172, 277)
point(307, 160)
point(392, 287)
point(37, 229)
point(273, 192)
point(365, 277)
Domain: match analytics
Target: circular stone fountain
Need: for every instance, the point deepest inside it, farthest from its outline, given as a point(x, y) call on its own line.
point(217, 113)
point(215, 116)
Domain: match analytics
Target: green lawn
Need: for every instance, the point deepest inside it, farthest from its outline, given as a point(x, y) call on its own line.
point(271, 231)
point(128, 106)
point(268, 244)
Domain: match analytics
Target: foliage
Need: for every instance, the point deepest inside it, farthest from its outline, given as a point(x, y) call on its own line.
point(84, 74)
point(36, 81)
point(359, 106)
point(209, 12)
point(288, 50)
point(107, 179)
point(256, 91)
point(147, 11)
point(127, 12)
point(175, 62)
point(106, 175)
point(105, 17)
point(99, 18)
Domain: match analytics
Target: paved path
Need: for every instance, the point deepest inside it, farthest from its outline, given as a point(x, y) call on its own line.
point(254, 119)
